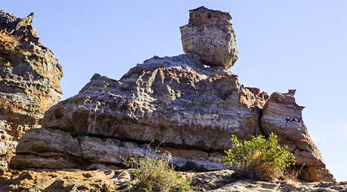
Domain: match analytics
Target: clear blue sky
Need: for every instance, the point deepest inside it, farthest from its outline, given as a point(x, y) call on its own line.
point(282, 45)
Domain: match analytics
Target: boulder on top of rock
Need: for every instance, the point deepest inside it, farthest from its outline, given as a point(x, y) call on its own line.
point(190, 110)
point(210, 35)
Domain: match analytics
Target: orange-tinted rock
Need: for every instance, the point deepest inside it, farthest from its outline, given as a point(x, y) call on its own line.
point(309, 174)
point(29, 81)
point(254, 90)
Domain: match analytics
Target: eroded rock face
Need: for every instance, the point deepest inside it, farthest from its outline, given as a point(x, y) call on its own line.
point(29, 81)
point(210, 35)
point(283, 116)
point(175, 103)
point(188, 109)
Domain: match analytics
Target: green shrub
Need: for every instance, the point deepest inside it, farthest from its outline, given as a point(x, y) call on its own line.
point(156, 174)
point(259, 158)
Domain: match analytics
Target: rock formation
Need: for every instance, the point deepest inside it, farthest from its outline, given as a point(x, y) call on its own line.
point(175, 103)
point(210, 35)
point(282, 116)
point(29, 81)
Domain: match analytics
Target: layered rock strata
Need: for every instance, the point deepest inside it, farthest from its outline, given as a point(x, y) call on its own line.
point(29, 81)
point(283, 116)
point(174, 103)
point(210, 35)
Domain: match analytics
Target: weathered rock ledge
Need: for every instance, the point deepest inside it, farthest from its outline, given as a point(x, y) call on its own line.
point(174, 102)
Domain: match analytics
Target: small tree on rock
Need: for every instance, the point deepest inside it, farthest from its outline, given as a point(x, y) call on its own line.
point(260, 158)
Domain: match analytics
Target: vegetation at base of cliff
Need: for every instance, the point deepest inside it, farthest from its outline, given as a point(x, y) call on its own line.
point(259, 158)
point(156, 174)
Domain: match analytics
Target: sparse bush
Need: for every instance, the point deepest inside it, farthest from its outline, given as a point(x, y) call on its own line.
point(156, 174)
point(293, 172)
point(259, 158)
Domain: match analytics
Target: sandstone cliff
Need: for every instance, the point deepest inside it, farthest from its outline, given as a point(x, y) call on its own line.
point(176, 103)
point(29, 81)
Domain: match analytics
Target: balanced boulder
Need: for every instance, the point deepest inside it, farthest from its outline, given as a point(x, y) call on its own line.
point(210, 35)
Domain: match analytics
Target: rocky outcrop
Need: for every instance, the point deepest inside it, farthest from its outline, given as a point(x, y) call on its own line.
point(29, 81)
point(210, 35)
point(282, 116)
point(173, 103)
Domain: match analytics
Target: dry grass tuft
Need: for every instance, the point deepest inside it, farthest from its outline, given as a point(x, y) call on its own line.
point(154, 173)
point(257, 169)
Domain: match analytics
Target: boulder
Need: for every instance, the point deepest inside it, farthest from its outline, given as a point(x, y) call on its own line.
point(29, 81)
point(283, 117)
point(210, 35)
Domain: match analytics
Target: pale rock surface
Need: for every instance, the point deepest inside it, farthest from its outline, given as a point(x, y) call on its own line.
point(283, 116)
point(29, 81)
point(67, 181)
point(210, 35)
point(190, 110)
point(122, 180)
